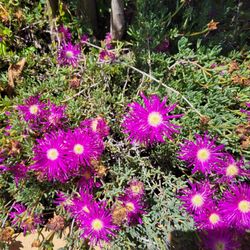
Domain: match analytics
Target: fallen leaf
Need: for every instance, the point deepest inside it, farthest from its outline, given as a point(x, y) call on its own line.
point(14, 71)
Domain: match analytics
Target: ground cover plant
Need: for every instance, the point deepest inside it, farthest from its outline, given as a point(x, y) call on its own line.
point(139, 143)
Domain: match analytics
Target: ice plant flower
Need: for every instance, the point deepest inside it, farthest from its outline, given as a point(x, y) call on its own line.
point(135, 189)
point(97, 226)
point(106, 56)
point(211, 218)
point(97, 126)
point(82, 205)
point(247, 112)
point(55, 117)
point(196, 198)
point(69, 54)
point(229, 169)
point(203, 154)
point(32, 109)
point(83, 147)
point(134, 208)
point(51, 157)
point(21, 216)
point(150, 123)
point(220, 239)
point(84, 39)
point(108, 40)
point(235, 206)
point(65, 33)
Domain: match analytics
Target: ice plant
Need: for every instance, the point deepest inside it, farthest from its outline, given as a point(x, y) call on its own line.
point(83, 147)
point(229, 169)
point(97, 126)
point(134, 208)
point(87, 179)
point(235, 206)
point(203, 154)
point(247, 112)
point(106, 56)
point(65, 33)
point(97, 226)
point(220, 239)
point(84, 39)
point(196, 198)
point(21, 216)
point(69, 54)
point(150, 123)
point(135, 189)
point(51, 157)
point(211, 218)
point(32, 109)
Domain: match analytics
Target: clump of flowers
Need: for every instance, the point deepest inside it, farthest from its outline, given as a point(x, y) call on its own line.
point(203, 154)
point(28, 221)
point(150, 123)
point(106, 56)
point(130, 206)
point(69, 54)
point(64, 33)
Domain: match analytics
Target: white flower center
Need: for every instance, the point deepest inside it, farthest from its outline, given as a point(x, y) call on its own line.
point(154, 119)
point(78, 149)
point(232, 170)
point(244, 206)
point(69, 54)
point(197, 200)
point(33, 109)
point(97, 224)
point(203, 154)
point(219, 245)
point(52, 154)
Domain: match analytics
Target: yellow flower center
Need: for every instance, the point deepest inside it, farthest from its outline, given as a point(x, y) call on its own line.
point(94, 124)
point(87, 175)
point(220, 245)
point(97, 224)
point(69, 54)
point(203, 154)
point(52, 154)
point(136, 189)
point(130, 206)
point(214, 218)
point(197, 200)
point(78, 149)
point(85, 209)
point(244, 206)
point(154, 119)
point(33, 109)
point(232, 170)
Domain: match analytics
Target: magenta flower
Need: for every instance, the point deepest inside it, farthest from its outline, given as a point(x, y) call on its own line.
point(84, 39)
point(247, 112)
point(151, 123)
point(230, 169)
point(87, 180)
point(51, 157)
point(21, 216)
point(97, 226)
point(211, 218)
point(220, 239)
point(55, 117)
point(19, 172)
point(82, 205)
point(106, 56)
point(65, 33)
point(69, 54)
point(83, 146)
point(97, 126)
point(196, 198)
point(108, 40)
point(135, 189)
point(135, 208)
point(63, 200)
point(235, 206)
point(32, 109)
point(203, 154)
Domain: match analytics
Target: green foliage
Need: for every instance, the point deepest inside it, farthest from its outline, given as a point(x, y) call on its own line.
point(106, 89)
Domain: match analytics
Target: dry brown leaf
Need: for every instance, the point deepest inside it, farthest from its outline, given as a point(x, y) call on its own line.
point(14, 71)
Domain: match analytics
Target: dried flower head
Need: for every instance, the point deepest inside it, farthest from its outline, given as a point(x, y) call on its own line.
point(56, 223)
point(212, 25)
point(6, 234)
